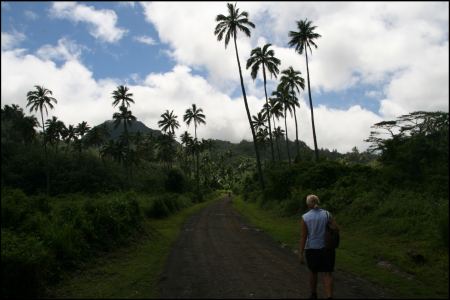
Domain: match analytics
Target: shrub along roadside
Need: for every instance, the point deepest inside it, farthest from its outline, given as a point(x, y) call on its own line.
point(363, 248)
point(42, 237)
point(131, 271)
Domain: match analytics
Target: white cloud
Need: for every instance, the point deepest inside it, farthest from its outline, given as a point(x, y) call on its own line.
point(390, 44)
point(82, 98)
point(102, 22)
point(131, 4)
point(12, 40)
point(401, 48)
point(65, 50)
point(144, 39)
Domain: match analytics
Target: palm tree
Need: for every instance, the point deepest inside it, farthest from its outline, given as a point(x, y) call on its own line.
point(169, 122)
point(228, 27)
point(196, 115)
point(276, 109)
point(81, 129)
point(284, 99)
point(259, 120)
point(70, 134)
point(186, 141)
point(39, 100)
point(55, 131)
point(125, 116)
point(122, 95)
point(265, 58)
point(300, 40)
point(278, 133)
point(165, 148)
point(292, 81)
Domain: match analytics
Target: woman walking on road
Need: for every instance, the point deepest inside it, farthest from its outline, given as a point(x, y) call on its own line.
point(312, 246)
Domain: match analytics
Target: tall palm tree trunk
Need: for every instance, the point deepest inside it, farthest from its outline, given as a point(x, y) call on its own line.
point(268, 114)
point(258, 162)
point(287, 139)
point(296, 134)
point(196, 163)
point(316, 151)
point(277, 140)
point(127, 160)
point(47, 175)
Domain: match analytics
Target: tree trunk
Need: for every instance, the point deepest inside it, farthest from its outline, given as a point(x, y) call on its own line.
point(196, 156)
point(268, 114)
point(316, 151)
point(287, 139)
point(277, 140)
point(47, 175)
point(296, 134)
point(258, 162)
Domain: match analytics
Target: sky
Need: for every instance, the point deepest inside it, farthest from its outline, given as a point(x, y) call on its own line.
point(375, 61)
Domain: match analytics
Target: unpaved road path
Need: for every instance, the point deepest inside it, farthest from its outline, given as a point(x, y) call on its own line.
point(219, 255)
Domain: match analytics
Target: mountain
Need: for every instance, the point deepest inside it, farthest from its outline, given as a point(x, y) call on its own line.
point(136, 126)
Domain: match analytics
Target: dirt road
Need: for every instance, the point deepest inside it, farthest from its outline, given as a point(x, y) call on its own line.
point(219, 255)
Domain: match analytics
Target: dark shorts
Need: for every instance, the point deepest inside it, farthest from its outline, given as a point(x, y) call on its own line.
point(320, 260)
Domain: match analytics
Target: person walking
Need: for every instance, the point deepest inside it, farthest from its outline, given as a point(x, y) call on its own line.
point(313, 246)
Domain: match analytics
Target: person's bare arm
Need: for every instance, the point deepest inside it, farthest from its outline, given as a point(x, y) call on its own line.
point(304, 231)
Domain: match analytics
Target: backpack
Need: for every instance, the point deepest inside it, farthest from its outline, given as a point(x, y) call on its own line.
point(332, 237)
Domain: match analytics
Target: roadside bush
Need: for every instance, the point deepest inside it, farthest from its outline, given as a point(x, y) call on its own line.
point(175, 181)
point(165, 205)
point(26, 263)
point(16, 207)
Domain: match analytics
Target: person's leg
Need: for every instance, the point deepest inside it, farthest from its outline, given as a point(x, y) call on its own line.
point(328, 284)
point(313, 284)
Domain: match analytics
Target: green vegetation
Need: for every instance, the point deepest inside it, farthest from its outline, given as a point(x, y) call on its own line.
point(393, 214)
point(74, 193)
point(131, 271)
point(42, 236)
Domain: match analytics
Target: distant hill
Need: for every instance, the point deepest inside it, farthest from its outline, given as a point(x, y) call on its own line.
point(243, 148)
point(136, 126)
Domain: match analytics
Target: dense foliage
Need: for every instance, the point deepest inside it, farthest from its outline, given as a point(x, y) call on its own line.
point(405, 192)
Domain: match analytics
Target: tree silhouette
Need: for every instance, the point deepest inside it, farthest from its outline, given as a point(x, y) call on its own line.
point(196, 115)
point(278, 133)
point(283, 97)
point(121, 96)
point(55, 131)
point(301, 40)
point(39, 100)
point(169, 122)
point(265, 58)
point(228, 27)
point(292, 81)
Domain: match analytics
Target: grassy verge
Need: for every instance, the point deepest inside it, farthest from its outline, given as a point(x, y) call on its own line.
point(132, 271)
point(361, 250)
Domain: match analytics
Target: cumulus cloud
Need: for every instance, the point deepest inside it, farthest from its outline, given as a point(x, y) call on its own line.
point(101, 22)
point(402, 48)
point(12, 40)
point(82, 98)
point(65, 50)
point(362, 43)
